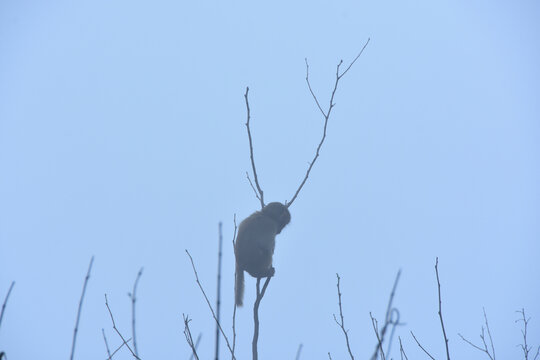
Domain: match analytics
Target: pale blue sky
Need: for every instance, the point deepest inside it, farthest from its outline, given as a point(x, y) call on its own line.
point(122, 136)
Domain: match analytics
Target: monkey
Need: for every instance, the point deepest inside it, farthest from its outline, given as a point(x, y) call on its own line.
point(255, 244)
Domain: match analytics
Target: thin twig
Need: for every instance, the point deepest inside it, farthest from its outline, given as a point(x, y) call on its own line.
point(209, 305)
point(253, 187)
point(525, 347)
point(117, 349)
point(476, 346)
point(5, 301)
point(80, 308)
point(440, 311)
point(329, 356)
point(218, 301)
point(326, 114)
point(489, 333)
point(482, 336)
point(258, 299)
point(421, 347)
point(106, 343)
point(118, 332)
point(401, 351)
point(189, 339)
point(196, 345)
point(261, 193)
point(133, 297)
point(341, 323)
point(376, 329)
point(356, 58)
point(110, 356)
point(298, 352)
point(234, 310)
point(388, 320)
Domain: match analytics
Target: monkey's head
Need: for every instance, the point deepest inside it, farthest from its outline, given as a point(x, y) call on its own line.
point(278, 212)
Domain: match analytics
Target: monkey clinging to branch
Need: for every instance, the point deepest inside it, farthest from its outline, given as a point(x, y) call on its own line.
point(256, 237)
point(255, 244)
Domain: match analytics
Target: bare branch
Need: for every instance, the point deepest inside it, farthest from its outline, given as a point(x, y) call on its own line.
point(133, 297)
point(261, 193)
point(376, 329)
point(421, 347)
point(106, 343)
point(341, 323)
point(253, 187)
point(440, 311)
point(325, 114)
point(110, 356)
point(298, 352)
point(489, 334)
point(258, 299)
point(209, 305)
point(401, 351)
point(5, 301)
point(124, 341)
point(525, 347)
point(218, 301)
point(485, 350)
point(234, 310)
point(189, 338)
point(80, 308)
point(389, 319)
point(482, 336)
point(356, 58)
point(196, 345)
point(311, 90)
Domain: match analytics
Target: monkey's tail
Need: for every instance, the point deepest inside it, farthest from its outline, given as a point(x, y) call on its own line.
point(239, 286)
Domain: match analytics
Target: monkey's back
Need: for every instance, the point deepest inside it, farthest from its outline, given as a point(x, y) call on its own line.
point(255, 244)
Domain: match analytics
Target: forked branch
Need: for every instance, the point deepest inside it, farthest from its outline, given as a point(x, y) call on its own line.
point(189, 338)
point(124, 341)
point(485, 348)
point(524, 346)
point(325, 114)
point(376, 329)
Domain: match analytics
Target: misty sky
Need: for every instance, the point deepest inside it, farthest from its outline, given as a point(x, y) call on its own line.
point(122, 137)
